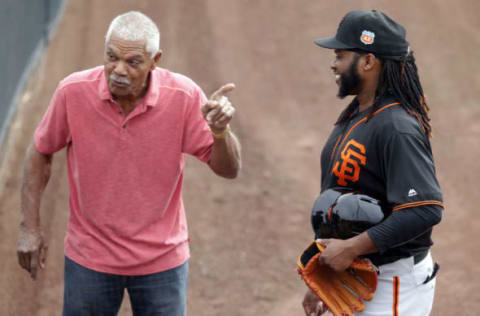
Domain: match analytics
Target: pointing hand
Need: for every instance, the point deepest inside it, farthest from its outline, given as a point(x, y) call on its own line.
point(218, 111)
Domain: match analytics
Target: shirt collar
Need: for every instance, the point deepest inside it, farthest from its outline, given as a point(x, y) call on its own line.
point(103, 90)
point(150, 98)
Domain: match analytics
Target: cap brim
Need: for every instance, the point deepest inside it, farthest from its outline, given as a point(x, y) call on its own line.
point(331, 43)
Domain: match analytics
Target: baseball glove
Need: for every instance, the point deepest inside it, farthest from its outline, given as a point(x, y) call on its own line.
point(342, 293)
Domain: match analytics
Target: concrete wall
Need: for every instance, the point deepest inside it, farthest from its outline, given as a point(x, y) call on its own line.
point(25, 26)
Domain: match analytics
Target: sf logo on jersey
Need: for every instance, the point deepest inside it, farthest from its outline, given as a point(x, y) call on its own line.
point(352, 155)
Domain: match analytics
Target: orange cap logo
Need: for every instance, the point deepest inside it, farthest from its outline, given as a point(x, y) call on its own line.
point(367, 37)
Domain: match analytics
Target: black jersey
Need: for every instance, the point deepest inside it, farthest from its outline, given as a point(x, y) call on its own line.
point(388, 157)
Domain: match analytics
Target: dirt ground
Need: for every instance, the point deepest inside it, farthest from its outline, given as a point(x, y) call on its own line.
point(246, 234)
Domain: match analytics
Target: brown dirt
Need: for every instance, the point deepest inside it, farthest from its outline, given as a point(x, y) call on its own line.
point(246, 233)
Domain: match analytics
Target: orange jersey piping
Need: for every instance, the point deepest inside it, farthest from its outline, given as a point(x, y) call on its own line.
point(358, 123)
point(335, 147)
point(414, 204)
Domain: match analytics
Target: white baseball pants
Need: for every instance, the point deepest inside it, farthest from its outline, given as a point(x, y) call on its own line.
point(401, 290)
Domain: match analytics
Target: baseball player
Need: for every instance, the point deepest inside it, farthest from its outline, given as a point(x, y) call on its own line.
point(380, 147)
point(127, 126)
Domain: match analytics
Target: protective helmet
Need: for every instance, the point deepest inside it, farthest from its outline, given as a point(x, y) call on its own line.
point(342, 215)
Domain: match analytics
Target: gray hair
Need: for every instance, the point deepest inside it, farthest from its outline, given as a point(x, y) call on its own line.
point(136, 26)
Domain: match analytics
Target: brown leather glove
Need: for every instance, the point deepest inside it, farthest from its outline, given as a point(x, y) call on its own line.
point(343, 293)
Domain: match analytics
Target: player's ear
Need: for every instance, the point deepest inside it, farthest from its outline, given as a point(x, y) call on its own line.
point(370, 61)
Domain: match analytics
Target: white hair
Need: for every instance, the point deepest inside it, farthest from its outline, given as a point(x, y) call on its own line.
point(136, 26)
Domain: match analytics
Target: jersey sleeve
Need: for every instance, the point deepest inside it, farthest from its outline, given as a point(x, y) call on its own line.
point(197, 139)
point(402, 227)
point(410, 172)
point(53, 133)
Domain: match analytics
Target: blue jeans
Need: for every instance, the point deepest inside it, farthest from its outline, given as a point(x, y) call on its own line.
point(92, 293)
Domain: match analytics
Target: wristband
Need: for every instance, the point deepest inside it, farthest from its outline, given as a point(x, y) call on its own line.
point(221, 135)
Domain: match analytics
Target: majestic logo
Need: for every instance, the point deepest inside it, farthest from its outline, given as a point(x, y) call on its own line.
point(367, 37)
point(353, 154)
point(412, 192)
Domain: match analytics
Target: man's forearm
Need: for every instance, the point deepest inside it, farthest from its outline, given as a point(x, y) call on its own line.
point(225, 159)
point(35, 178)
point(362, 244)
point(403, 226)
point(399, 228)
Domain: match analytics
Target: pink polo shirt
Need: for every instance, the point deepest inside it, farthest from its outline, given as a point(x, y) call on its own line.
point(125, 173)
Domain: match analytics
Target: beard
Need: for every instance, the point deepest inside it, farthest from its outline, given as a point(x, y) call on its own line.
point(349, 81)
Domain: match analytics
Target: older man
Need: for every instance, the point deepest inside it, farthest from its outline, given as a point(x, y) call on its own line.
point(126, 125)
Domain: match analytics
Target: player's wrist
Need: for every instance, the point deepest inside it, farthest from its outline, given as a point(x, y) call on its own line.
point(30, 225)
point(220, 134)
point(361, 245)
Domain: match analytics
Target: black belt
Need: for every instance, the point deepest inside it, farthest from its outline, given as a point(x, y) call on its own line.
point(420, 256)
point(380, 261)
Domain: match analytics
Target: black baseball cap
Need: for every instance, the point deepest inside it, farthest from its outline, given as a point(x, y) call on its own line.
point(370, 31)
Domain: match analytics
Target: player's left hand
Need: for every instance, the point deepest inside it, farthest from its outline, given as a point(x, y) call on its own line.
point(312, 305)
point(338, 254)
point(218, 111)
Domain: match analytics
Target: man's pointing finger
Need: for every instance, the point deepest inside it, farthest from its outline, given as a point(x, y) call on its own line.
point(222, 91)
point(33, 265)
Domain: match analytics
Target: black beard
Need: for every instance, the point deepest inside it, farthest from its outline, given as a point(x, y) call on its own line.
point(349, 82)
